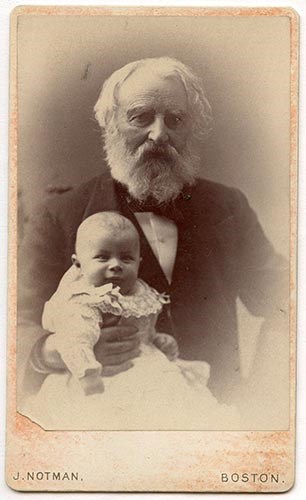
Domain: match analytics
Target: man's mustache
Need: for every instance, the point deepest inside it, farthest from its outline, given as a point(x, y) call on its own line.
point(155, 152)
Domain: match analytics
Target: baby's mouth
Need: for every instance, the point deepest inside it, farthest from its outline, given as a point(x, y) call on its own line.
point(115, 280)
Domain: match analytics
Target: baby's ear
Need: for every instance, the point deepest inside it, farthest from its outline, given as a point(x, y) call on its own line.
point(75, 261)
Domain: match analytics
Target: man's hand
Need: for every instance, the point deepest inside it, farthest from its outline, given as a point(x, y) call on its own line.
point(114, 350)
point(117, 346)
point(167, 344)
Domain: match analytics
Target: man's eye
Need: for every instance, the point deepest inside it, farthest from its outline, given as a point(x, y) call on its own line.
point(172, 120)
point(142, 119)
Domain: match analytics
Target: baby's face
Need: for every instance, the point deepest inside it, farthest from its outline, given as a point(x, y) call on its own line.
point(111, 259)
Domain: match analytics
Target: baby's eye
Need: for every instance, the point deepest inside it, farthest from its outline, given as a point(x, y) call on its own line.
point(102, 257)
point(173, 120)
point(127, 258)
point(142, 119)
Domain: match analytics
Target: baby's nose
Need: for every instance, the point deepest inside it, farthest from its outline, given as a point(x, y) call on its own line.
point(114, 265)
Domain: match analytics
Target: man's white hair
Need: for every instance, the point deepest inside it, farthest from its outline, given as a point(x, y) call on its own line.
point(165, 67)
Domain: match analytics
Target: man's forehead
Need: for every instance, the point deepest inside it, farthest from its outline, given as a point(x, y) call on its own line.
point(146, 84)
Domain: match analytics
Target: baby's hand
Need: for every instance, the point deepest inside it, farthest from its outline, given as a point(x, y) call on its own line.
point(167, 344)
point(92, 384)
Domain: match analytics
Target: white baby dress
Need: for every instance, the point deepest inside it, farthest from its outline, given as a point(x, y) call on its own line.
point(155, 394)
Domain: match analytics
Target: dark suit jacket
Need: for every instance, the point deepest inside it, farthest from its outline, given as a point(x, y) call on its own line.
point(222, 254)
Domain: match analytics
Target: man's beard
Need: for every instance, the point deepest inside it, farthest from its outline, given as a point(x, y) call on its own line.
point(151, 172)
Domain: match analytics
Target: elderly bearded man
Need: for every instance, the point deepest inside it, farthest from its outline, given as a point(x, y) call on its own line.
point(200, 241)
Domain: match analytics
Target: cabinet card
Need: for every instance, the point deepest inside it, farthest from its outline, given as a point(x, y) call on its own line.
point(152, 263)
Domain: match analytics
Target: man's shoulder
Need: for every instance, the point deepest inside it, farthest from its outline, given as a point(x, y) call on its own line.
point(65, 211)
point(76, 193)
point(75, 200)
point(216, 198)
point(216, 189)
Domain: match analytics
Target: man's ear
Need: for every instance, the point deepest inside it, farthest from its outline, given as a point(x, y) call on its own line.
point(75, 261)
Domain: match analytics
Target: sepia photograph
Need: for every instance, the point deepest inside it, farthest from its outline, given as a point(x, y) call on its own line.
point(153, 186)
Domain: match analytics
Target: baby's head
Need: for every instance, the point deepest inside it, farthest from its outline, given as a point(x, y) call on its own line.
point(108, 251)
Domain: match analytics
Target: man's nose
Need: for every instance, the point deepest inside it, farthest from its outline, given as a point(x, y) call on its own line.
point(158, 131)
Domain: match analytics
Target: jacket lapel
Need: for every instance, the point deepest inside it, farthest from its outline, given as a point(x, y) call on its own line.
point(103, 198)
point(195, 260)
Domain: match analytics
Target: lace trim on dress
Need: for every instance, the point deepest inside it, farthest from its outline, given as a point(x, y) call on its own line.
point(143, 302)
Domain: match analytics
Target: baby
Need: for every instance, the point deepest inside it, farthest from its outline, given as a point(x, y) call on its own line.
point(91, 294)
point(159, 391)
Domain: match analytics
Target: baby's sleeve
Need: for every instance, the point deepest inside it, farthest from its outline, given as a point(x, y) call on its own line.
point(76, 331)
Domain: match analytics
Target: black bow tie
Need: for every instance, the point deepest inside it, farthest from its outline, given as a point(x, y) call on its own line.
point(173, 210)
